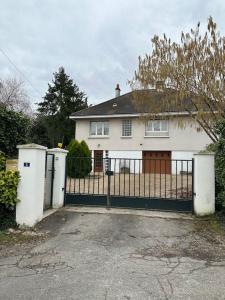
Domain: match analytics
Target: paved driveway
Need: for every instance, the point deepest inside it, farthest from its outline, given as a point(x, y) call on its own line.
point(100, 256)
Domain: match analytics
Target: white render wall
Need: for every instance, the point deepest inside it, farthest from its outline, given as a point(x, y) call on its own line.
point(188, 139)
point(135, 164)
point(204, 184)
point(130, 159)
point(31, 166)
point(181, 166)
point(59, 176)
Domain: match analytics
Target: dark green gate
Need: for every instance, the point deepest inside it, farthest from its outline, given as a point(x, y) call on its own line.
point(158, 184)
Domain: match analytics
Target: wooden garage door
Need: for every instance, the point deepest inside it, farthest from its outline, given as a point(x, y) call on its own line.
point(157, 162)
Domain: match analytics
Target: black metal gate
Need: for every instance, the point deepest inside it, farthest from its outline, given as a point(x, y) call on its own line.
point(160, 184)
point(49, 178)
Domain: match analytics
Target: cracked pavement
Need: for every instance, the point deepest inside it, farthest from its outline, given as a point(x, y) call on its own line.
point(101, 256)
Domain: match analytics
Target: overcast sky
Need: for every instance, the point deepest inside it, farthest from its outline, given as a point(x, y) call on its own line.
point(97, 41)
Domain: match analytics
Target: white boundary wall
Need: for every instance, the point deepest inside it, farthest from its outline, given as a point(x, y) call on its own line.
point(31, 188)
point(204, 184)
point(31, 167)
point(59, 176)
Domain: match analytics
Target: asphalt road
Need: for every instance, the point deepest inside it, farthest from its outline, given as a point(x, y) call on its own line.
point(99, 256)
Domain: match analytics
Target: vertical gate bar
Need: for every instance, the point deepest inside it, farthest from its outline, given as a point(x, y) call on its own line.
point(65, 182)
point(176, 179)
point(160, 170)
point(108, 193)
point(80, 170)
point(165, 177)
point(139, 161)
point(99, 173)
point(155, 177)
point(103, 176)
point(149, 178)
point(182, 178)
point(119, 174)
point(143, 169)
point(124, 178)
point(187, 180)
point(192, 178)
point(70, 190)
point(171, 178)
point(93, 178)
point(83, 163)
point(74, 180)
point(134, 175)
point(89, 175)
point(114, 179)
point(129, 176)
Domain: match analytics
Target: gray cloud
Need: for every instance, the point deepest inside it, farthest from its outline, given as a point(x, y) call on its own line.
point(98, 42)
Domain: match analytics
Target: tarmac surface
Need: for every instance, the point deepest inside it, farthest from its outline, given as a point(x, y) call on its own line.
point(116, 256)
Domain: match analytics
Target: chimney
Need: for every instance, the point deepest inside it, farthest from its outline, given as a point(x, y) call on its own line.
point(117, 90)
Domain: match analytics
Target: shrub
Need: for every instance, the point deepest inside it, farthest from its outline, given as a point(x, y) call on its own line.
point(8, 188)
point(219, 149)
point(79, 159)
point(14, 130)
point(87, 154)
point(2, 161)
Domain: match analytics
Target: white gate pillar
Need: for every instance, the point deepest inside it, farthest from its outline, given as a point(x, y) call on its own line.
point(59, 176)
point(31, 166)
point(204, 184)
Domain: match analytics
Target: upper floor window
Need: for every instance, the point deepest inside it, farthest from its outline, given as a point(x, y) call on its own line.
point(156, 128)
point(99, 128)
point(126, 128)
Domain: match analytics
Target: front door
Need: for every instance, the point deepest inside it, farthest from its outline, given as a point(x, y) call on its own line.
point(98, 160)
point(157, 162)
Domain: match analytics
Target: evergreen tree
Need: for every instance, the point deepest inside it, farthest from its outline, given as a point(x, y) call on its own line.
point(62, 98)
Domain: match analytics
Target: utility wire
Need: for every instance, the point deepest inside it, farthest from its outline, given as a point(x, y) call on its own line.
point(18, 70)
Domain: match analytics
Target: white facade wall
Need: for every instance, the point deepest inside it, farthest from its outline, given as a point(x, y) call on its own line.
point(177, 165)
point(179, 140)
point(132, 160)
point(129, 159)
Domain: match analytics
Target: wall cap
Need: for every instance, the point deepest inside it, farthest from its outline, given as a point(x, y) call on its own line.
point(57, 150)
point(31, 146)
point(209, 153)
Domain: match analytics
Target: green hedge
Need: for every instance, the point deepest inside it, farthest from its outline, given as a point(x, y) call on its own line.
point(8, 188)
point(219, 149)
point(79, 159)
point(14, 130)
point(2, 161)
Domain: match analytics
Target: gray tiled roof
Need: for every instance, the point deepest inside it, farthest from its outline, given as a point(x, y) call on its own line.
point(125, 104)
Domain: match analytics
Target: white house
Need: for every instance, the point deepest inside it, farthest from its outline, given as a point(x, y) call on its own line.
point(114, 129)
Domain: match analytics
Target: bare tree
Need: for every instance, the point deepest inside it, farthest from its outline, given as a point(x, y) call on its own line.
point(14, 96)
point(193, 73)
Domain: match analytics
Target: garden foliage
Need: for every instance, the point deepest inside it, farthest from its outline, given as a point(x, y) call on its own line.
point(14, 130)
point(8, 184)
point(79, 162)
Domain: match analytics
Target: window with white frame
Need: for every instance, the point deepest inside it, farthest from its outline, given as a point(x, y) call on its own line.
point(126, 128)
point(156, 128)
point(99, 128)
